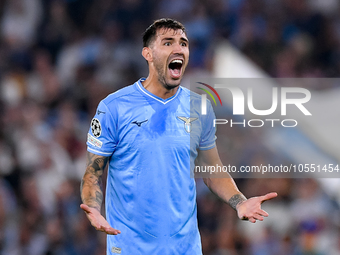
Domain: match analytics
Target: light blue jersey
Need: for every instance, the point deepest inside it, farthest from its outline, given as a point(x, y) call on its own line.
point(152, 144)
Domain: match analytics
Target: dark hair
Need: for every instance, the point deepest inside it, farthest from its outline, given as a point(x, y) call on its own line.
point(167, 23)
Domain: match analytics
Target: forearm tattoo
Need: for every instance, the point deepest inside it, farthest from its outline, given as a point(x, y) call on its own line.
point(90, 189)
point(236, 199)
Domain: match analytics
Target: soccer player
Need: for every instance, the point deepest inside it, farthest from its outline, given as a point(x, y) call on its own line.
point(144, 132)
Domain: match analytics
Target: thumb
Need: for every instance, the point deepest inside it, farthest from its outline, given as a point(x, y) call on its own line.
point(86, 208)
point(268, 196)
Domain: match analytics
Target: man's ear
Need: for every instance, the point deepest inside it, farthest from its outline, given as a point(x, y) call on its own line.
point(146, 52)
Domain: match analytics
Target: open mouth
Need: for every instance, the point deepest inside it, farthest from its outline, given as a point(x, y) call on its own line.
point(175, 68)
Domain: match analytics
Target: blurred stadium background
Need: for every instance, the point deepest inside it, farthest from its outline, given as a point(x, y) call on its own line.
point(59, 58)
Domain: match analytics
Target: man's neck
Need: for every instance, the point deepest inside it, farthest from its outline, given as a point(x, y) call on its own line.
point(153, 85)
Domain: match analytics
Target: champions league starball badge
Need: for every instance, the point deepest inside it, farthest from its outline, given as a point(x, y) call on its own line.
point(96, 127)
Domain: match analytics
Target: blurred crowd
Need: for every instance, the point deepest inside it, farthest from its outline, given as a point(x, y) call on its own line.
point(59, 58)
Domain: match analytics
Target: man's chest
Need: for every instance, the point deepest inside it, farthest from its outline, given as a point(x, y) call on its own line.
point(158, 125)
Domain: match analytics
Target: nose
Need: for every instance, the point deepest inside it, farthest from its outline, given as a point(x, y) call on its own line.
point(177, 49)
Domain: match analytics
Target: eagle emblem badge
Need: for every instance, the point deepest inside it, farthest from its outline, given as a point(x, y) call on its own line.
point(187, 123)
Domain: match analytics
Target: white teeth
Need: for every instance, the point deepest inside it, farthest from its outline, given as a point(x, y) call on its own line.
point(177, 61)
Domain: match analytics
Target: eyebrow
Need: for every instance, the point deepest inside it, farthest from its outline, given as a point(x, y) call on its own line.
point(171, 38)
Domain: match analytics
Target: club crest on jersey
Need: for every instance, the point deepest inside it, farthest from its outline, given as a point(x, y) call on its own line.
point(96, 127)
point(187, 123)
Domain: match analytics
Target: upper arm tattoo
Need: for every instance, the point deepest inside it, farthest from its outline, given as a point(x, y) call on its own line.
point(91, 190)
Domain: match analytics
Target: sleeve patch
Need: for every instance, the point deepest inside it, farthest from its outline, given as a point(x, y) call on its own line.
point(94, 141)
point(96, 127)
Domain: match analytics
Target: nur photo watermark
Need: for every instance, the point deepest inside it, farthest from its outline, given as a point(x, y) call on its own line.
point(269, 128)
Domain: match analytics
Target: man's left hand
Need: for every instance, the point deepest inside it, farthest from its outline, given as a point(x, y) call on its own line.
point(251, 209)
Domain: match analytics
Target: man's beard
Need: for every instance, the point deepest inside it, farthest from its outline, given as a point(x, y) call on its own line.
point(161, 76)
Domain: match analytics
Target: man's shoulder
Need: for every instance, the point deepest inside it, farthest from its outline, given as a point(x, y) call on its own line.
point(120, 94)
point(188, 93)
point(193, 96)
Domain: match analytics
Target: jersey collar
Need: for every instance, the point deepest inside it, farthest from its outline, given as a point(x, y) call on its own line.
point(159, 99)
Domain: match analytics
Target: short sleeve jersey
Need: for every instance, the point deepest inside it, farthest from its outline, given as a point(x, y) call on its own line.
point(152, 144)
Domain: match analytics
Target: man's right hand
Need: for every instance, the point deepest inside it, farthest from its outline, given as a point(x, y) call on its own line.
point(98, 221)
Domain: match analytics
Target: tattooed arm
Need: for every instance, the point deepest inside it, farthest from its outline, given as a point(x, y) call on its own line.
point(226, 190)
point(92, 194)
point(91, 185)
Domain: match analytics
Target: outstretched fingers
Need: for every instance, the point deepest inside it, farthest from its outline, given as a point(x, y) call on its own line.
point(111, 231)
point(255, 216)
point(108, 229)
point(103, 226)
point(98, 221)
point(252, 220)
point(262, 213)
point(258, 217)
point(251, 209)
